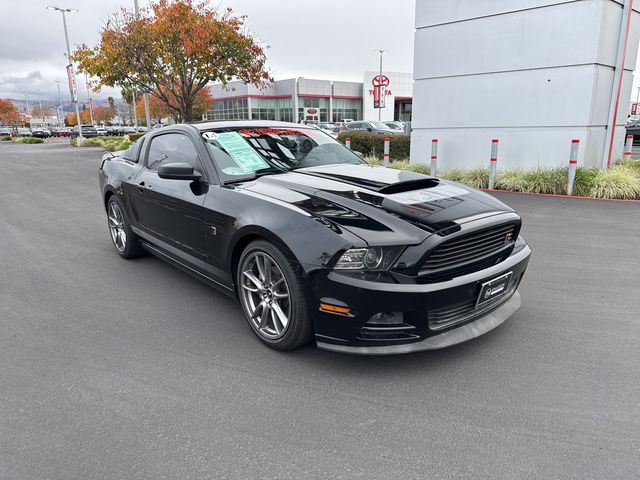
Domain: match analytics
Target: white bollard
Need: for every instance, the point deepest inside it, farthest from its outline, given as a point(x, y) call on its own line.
point(492, 163)
point(385, 160)
point(573, 164)
point(628, 147)
point(434, 156)
point(347, 142)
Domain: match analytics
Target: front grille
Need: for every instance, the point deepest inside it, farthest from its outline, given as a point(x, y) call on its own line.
point(469, 253)
point(450, 315)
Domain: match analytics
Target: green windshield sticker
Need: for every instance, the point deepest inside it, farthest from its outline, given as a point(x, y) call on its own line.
point(241, 152)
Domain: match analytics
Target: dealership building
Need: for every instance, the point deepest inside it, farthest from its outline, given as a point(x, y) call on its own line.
point(331, 100)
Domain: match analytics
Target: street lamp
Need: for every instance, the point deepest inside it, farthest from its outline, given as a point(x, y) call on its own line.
point(61, 115)
point(145, 95)
point(73, 73)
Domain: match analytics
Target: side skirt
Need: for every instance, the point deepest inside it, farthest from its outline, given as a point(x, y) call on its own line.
point(158, 252)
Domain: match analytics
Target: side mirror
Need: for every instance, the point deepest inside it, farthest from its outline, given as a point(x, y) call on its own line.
point(178, 171)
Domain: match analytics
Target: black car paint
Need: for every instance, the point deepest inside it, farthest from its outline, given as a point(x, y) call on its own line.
point(314, 215)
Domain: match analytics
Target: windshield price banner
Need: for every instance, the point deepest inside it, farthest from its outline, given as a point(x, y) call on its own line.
point(73, 90)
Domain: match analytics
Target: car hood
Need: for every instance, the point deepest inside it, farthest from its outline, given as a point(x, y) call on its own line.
point(381, 205)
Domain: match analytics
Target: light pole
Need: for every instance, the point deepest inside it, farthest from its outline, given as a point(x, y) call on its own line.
point(145, 95)
point(380, 79)
point(73, 73)
point(40, 102)
point(86, 84)
point(60, 116)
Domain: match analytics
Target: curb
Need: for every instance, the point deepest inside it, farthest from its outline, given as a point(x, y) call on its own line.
point(563, 196)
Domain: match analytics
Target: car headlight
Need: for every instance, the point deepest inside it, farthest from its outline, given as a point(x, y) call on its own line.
point(370, 259)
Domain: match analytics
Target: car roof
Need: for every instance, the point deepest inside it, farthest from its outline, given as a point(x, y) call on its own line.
point(202, 126)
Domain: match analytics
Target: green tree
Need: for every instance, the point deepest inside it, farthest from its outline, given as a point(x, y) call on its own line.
point(172, 51)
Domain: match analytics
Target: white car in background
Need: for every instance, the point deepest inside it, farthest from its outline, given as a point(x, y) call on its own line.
point(102, 132)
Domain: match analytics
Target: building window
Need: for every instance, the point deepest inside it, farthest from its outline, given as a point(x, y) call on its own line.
point(229, 109)
point(321, 103)
point(346, 108)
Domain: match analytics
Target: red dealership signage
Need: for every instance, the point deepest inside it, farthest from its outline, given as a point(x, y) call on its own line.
point(73, 90)
point(380, 90)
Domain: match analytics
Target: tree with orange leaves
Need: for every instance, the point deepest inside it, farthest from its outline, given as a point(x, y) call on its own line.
point(172, 52)
point(71, 119)
point(9, 114)
point(102, 114)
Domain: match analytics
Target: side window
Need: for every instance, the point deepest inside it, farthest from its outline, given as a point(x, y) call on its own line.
point(355, 125)
point(133, 152)
point(172, 148)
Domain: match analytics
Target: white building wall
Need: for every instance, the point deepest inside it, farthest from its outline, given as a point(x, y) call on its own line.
point(533, 73)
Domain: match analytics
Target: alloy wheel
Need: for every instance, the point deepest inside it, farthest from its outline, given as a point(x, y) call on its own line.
point(116, 227)
point(264, 293)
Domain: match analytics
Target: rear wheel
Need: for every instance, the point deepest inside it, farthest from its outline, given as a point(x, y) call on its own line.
point(271, 292)
point(126, 242)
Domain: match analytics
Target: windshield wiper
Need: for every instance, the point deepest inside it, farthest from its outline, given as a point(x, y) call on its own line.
point(252, 176)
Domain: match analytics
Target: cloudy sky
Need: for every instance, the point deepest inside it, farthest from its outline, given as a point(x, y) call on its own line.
point(329, 39)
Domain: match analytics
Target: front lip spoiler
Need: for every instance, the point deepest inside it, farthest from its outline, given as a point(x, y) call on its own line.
point(446, 339)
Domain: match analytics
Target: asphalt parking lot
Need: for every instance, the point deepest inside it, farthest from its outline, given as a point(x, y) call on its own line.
point(114, 369)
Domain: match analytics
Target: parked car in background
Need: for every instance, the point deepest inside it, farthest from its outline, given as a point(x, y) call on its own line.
point(127, 130)
point(399, 126)
point(142, 129)
point(61, 132)
point(41, 132)
point(6, 131)
point(102, 132)
point(373, 127)
point(314, 242)
point(23, 132)
point(88, 131)
point(633, 128)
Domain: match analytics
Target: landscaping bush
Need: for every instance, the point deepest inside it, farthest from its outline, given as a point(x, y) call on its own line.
point(634, 164)
point(92, 142)
point(539, 180)
point(584, 181)
point(28, 140)
point(135, 136)
point(372, 144)
point(5, 138)
point(617, 182)
point(475, 177)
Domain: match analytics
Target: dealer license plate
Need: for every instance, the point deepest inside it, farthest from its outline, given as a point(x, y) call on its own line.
point(494, 289)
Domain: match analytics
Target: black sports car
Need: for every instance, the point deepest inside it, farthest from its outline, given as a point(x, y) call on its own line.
point(313, 241)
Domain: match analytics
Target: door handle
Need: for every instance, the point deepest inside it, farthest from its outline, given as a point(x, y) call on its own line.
point(142, 187)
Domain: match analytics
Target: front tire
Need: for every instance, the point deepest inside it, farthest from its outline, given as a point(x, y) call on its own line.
point(272, 296)
point(126, 242)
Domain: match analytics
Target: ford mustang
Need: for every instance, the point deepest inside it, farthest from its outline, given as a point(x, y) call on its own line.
point(313, 241)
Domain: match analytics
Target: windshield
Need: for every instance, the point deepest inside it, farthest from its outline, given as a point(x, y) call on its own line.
point(243, 151)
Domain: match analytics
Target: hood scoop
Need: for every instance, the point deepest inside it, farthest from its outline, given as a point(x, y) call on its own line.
point(409, 186)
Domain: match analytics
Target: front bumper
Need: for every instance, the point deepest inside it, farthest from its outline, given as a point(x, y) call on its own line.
point(418, 304)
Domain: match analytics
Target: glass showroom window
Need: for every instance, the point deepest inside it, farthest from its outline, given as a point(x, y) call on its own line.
point(230, 109)
point(263, 109)
point(346, 108)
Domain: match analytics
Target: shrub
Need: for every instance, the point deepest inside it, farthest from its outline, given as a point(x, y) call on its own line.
point(454, 174)
point(29, 140)
point(372, 144)
point(135, 136)
point(411, 167)
point(584, 181)
point(634, 164)
point(617, 182)
point(92, 142)
point(476, 177)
